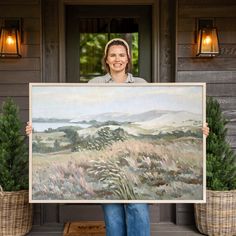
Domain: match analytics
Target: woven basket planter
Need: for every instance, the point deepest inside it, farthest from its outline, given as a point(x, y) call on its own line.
point(218, 216)
point(15, 213)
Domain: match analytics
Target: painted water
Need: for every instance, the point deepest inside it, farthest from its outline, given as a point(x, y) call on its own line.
point(43, 126)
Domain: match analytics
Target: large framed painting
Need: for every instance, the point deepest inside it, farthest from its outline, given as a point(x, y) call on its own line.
point(117, 143)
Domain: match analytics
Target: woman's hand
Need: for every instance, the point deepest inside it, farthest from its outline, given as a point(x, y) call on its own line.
point(28, 128)
point(205, 130)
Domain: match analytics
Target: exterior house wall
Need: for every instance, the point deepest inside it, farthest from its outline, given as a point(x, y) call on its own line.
point(42, 62)
point(15, 74)
point(220, 72)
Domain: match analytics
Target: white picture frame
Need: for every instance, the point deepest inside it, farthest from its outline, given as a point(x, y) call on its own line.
point(117, 143)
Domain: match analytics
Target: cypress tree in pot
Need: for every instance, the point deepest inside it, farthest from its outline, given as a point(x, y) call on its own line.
point(15, 210)
point(217, 216)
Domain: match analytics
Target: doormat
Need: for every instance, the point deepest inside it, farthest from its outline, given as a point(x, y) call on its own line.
point(84, 228)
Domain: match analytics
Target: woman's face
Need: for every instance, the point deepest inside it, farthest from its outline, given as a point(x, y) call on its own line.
point(117, 58)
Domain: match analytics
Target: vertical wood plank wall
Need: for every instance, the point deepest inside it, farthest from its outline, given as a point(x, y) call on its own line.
point(15, 74)
point(50, 41)
point(167, 41)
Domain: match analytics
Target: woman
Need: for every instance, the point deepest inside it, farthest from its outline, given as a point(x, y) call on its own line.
point(122, 219)
point(117, 63)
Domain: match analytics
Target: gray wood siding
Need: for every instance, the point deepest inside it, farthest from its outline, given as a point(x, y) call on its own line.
point(220, 72)
point(15, 74)
point(40, 62)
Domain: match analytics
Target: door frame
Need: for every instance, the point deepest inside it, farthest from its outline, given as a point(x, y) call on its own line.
point(53, 66)
point(155, 5)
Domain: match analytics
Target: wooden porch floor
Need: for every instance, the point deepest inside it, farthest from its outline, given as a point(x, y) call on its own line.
point(161, 229)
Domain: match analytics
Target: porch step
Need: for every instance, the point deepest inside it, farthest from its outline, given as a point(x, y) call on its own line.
point(157, 229)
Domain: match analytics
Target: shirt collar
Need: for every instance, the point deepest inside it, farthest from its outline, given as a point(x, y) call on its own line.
point(129, 79)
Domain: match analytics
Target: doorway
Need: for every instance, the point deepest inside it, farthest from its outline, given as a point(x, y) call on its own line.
point(88, 28)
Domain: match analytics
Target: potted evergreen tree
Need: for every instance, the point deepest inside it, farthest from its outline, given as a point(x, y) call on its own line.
point(218, 215)
point(15, 210)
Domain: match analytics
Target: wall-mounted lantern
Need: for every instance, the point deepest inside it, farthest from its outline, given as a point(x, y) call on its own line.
point(10, 38)
point(207, 38)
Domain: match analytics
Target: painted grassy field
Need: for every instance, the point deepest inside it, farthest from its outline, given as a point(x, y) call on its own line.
point(129, 169)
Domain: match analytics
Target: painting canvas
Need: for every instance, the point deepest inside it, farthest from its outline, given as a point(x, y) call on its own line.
point(117, 143)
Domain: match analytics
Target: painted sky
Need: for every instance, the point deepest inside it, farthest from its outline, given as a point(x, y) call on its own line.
point(73, 101)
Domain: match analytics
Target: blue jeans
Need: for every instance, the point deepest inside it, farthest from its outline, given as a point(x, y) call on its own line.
point(127, 219)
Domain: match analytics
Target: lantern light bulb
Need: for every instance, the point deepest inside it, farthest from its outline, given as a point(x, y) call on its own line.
point(10, 40)
point(207, 40)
